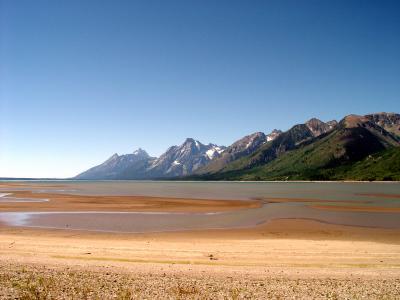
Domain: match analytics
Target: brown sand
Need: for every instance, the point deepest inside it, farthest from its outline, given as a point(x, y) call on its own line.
point(354, 205)
point(303, 233)
point(300, 259)
point(29, 185)
point(358, 208)
point(285, 258)
point(381, 195)
point(66, 202)
point(310, 200)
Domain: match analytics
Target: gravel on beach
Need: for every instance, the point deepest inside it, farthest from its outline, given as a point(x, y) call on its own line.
point(36, 281)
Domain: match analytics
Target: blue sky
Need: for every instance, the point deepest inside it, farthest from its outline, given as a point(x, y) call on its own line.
point(81, 80)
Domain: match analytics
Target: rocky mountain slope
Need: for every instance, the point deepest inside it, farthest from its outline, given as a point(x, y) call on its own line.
point(332, 155)
point(184, 159)
point(352, 148)
point(389, 121)
point(243, 147)
point(317, 127)
point(282, 143)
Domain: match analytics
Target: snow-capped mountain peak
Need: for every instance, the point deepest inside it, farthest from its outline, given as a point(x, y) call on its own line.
point(214, 151)
point(184, 159)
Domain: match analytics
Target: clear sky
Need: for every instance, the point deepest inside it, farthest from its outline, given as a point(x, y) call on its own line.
point(81, 80)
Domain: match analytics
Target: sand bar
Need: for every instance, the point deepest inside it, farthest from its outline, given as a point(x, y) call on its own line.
point(67, 202)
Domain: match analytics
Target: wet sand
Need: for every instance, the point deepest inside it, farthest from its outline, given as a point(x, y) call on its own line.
point(358, 208)
point(282, 258)
point(130, 214)
point(310, 200)
point(381, 195)
point(68, 202)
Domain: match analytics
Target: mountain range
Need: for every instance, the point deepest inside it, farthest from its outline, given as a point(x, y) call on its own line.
point(176, 161)
point(355, 148)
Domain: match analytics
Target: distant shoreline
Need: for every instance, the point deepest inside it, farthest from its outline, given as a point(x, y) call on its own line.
point(5, 179)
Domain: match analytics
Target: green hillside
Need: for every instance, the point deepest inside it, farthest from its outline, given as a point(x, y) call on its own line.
point(352, 153)
point(384, 165)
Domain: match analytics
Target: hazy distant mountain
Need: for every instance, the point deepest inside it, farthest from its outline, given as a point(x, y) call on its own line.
point(347, 151)
point(128, 166)
point(176, 161)
point(184, 159)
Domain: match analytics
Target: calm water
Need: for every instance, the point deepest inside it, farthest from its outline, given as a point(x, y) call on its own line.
point(146, 222)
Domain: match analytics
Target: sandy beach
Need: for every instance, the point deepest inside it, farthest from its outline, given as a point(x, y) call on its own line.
point(205, 150)
point(284, 258)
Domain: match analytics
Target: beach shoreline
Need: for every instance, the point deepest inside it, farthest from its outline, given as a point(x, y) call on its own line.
point(281, 258)
point(251, 261)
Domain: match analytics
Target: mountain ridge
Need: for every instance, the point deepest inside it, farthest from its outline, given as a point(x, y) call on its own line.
point(175, 161)
point(311, 149)
point(352, 140)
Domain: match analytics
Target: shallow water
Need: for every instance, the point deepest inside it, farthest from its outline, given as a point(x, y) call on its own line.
point(4, 198)
point(356, 193)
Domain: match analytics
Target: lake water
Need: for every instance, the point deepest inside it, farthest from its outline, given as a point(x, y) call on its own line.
point(348, 194)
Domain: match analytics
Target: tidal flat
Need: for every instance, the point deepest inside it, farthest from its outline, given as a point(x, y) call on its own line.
point(124, 240)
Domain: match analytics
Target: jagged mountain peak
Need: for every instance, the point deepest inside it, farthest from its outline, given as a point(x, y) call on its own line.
point(314, 121)
point(276, 131)
point(189, 140)
point(214, 151)
point(351, 121)
point(352, 138)
point(248, 142)
point(305, 151)
point(389, 121)
point(273, 135)
point(384, 114)
point(238, 149)
point(192, 142)
point(120, 167)
point(140, 152)
point(184, 159)
point(318, 127)
point(113, 157)
point(387, 131)
point(332, 123)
